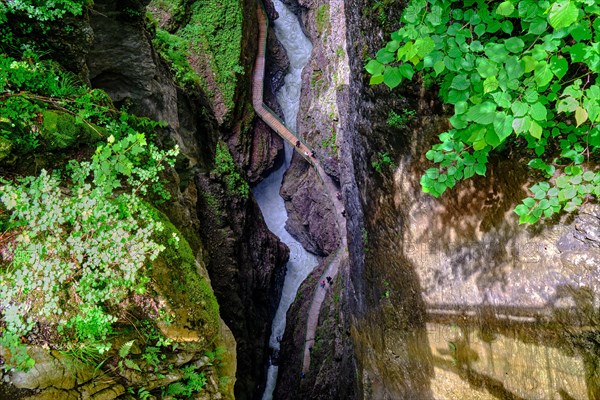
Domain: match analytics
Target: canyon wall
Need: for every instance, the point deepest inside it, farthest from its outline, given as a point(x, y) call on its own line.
point(457, 299)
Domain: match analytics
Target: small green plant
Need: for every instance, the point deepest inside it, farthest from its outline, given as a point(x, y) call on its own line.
point(400, 120)
point(382, 160)
point(144, 394)
point(330, 143)
point(322, 19)
point(225, 167)
point(192, 382)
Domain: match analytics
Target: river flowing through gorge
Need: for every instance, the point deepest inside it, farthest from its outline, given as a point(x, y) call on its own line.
point(301, 262)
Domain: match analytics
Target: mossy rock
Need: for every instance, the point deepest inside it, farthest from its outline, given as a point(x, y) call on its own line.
point(5, 148)
point(61, 130)
point(177, 277)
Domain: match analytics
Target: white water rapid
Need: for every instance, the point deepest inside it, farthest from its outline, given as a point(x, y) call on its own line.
point(301, 263)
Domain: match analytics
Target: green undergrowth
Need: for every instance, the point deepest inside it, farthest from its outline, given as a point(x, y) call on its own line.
point(214, 33)
point(175, 50)
point(227, 169)
point(44, 108)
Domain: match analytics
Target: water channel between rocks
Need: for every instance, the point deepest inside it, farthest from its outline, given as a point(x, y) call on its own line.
point(301, 263)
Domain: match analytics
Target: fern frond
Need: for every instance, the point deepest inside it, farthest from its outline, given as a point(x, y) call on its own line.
point(125, 349)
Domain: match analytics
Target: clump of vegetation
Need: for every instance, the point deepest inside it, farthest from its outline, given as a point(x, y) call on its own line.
point(42, 10)
point(42, 106)
point(521, 72)
point(80, 245)
point(400, 120)
point(330, 144)
point(66, 270)
point(225, 166)
point(322, 19)
point(175, 49)
point(381, 160)
point(214, 30)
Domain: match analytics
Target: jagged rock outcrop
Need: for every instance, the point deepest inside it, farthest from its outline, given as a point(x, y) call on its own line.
point(247, 265)
point(311, 215)
point(332, 353)
point(245, 256)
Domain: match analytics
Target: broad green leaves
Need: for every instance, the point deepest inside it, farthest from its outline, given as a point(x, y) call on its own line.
point(562, 14)
point(515, 70)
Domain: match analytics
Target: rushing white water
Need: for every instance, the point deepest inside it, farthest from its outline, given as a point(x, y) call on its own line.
point(301, 263)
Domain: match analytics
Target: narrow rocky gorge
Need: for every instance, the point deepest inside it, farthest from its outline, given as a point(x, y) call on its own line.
point(445, 298)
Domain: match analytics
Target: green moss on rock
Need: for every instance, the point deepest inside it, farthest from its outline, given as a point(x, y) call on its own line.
point(178, 277)
point(211, 37)
point(61, 130)
point(5, 148)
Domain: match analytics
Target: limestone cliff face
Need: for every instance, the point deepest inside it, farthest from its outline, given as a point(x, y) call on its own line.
point(461, 301)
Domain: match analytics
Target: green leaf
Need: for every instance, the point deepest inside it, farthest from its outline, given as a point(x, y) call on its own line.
point(589, 176)
point(490, 84)
point(376, 79)
point(581, 115)
point(392, 46)
point(543, 74)
point(567, 194)
point(502, 126)
point(535, 130)
point(568, 104)
point(480, 169)
point(558, 66)
point(538, 112)
point(432, 173)
point(424, 46)
point(503, 99)
point(439, 67)
point(521, 125)
point(480, 29)
point(521, 209)
point(505, 8)
point(514, 68)
point(454, 96)
point(460, 82)
point(384, 56)
point(392, 77)
point(126, 348)
point(483, 113)
point(581, 32)
point(374, 67)
point(562, 14)
point(514, 44)
point(530, 63)
point(131, 364)
point(486, 68)
point(496, 52)
point(491, 138)
point(537, 26)
point(519, 108)
point(407, 71)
